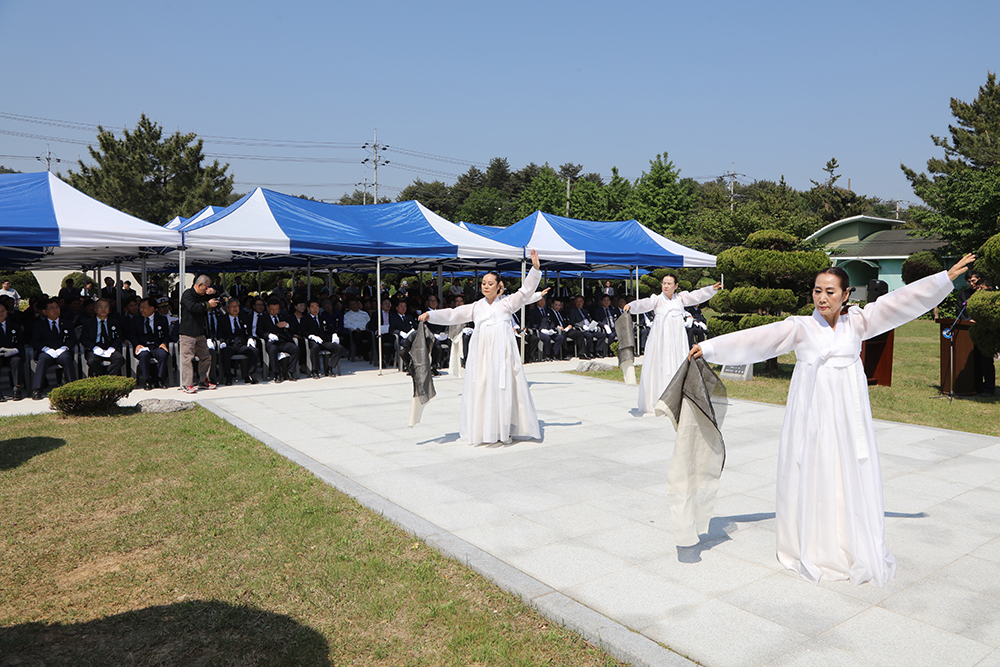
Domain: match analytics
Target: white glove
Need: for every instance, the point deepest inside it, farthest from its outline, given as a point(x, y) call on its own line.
point(548, 332)
point(53, 353)
point(441, 336)
point(607, 329)
point(316, 339)
point(384, 329)
point(211, 344)
point(140, 348)
point(222, 346)
point(252, 342)
point(272, 337)
point(283, 355)
point(467, 330)
point(406, 335)
point(336, 339)
point(9, 351)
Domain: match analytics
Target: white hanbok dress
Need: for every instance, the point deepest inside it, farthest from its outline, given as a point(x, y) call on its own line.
point(667, 342)
point(496, 403)
point(829, 510)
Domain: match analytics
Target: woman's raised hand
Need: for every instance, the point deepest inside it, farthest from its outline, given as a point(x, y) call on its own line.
point(959, 268)
point(534, 260)
point(695, 352)
point(717, 286)
point(546, 291)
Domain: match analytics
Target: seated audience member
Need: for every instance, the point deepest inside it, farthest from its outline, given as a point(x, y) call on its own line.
point(150, 337)
point(53, 340)
point(541, 319)
point(297, 320)
point(234, 339)
point(604, 315)
point(320, 334)
point(356, 322)
point(255, 317)
point(594, 336)
point(282, 351)
point(102, 338)
point(566, 328)
point(530, 339)
point(403, 324)
point(11, 350)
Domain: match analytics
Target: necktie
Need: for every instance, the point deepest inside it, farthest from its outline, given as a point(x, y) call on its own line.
point(275, 320)
point(607, 314)
point(145, 325)
point(104, 333)
point(55, 326)
point(236, 326)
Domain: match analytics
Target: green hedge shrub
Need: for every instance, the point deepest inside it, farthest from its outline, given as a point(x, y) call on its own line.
point(753, 299)
point(988, 257)
point(91, 395)
point(771, 239)
point(718, 326)
point(753, 320)
point(920, 265)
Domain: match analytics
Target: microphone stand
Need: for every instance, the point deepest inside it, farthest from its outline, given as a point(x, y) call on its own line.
point(949, 333)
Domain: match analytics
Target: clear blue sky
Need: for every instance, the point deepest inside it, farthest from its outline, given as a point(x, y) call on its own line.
point(774, 88)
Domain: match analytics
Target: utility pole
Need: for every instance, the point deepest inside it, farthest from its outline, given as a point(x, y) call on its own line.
point(732, 186)
point(375, 161)
point(48, 159)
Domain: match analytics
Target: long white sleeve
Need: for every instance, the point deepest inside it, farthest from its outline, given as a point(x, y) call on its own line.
point(459, 315)
point(698, 296)
point(902, 305)
point(640, 306)
point(520, 297)
point(751, 345)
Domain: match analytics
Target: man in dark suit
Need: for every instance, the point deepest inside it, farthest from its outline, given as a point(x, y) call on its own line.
point(234, 339)
point(276, 329)
point(150, 337)
point(320, 333)
point(604, 315)
point(566, 328)
point(402, 323)
point(237, 290)
point(11, 351)
point(53, 340)
point(108, 291)
point(102, 338)
point(596, 340)
point(541, 318)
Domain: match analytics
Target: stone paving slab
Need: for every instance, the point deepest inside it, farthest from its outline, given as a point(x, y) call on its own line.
point(578, 524)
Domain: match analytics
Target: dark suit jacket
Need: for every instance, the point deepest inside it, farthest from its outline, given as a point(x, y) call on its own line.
point(228, 335)
point(577, 315)
point(89, 335)
point(539, 318)
point(401, 323)
point(597, 313)
point(266, 326)
point(324, 329)
point(159, 333)
point(42, 335)
point(12, 335)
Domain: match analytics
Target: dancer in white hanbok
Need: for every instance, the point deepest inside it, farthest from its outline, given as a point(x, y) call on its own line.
point(667, 342)
point(496, 404)
point(829, 511)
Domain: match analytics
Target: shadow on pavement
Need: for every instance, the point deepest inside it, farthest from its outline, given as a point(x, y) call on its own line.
point(186, 633)
point(719, 530)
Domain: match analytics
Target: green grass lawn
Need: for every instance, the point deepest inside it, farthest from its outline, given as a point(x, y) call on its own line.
point(915, 380)
point(179, 540)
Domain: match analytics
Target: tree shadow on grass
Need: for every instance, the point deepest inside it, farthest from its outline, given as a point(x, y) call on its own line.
point(197, 632)
point(15, 451)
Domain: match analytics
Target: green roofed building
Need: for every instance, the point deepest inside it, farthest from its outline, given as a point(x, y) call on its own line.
point(871, 248)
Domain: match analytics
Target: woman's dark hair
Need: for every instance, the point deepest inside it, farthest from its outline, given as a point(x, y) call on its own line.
point(496, 276)
point(845, 282)
point(677, 281)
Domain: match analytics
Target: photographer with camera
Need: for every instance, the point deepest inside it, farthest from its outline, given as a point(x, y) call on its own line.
point(196, 301)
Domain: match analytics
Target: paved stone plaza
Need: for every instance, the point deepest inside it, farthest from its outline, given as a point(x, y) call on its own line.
point(578, 524)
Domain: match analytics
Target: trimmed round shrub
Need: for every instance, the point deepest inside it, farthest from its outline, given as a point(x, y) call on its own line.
point(984, 308)
point(773, 268)
point(92, 395)
point(718, 326)
point(988, 257)
point(771, 239)
point(920, 265)
point(754, 299)
point(986, 339)
point(806, 310)
point(753, 320)
point(721, 303)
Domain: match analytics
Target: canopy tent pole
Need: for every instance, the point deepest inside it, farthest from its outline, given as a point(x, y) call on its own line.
point(144, 277)
point(378, 338)
point(637, 283)
point(182, 267)
point(581, 283)
point(558, 283)
point(524, 333)
point(309, 278)
point(97, 280)
point(440, 288)
point(118, 287)
point(329, 282)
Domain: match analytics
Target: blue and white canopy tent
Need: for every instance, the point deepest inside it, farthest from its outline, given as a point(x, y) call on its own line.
point(178, 222)
point(47, 224)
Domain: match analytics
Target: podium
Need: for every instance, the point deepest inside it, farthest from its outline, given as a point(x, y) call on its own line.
point(876, 356)
point(964, 382)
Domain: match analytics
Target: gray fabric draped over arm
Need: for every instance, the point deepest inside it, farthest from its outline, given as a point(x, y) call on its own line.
point(625, 331)
point(420, 368)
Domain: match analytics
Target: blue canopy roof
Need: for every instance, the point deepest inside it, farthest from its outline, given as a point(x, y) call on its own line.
point(47, 223)
point(265, 224)
point(567, 241)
